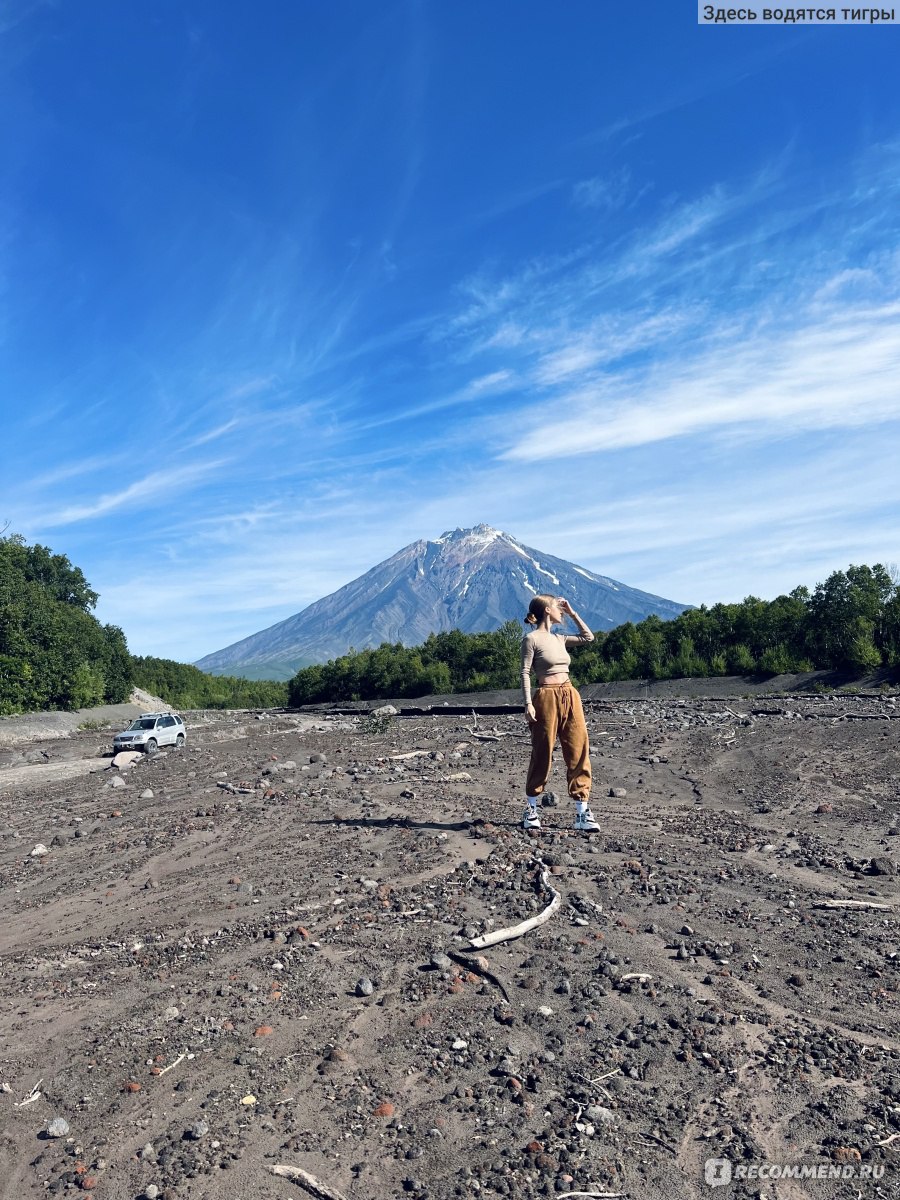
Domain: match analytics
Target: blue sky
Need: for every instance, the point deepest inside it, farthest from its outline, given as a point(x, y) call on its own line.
point(284, 287)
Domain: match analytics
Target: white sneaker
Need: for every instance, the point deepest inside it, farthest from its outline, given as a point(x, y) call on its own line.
point(530, 818)
point(585, 822)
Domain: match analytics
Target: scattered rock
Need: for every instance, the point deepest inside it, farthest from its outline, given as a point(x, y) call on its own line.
point(364, 986)
point(882, 865)
point(58, 1128)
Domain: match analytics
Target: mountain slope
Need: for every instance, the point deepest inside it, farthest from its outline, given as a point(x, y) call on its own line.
point(468, 579)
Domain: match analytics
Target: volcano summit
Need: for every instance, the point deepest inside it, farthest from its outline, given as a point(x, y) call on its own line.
point(468, 579)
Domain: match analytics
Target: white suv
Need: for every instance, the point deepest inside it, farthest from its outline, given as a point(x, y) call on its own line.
point(149, 731)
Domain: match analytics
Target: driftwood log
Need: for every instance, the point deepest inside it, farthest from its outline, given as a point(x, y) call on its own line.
point(516, 931)
point(308, 1182)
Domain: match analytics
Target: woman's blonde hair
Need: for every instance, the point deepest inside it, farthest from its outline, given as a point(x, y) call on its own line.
point(537, 608)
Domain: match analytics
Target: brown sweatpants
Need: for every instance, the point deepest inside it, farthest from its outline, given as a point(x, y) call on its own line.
point(559, 714)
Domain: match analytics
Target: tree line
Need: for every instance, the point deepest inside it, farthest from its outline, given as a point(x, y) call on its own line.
point(851, 622)
point(55, 654)
point(185, 686)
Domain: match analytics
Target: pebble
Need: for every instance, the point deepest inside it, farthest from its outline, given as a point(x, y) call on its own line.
point(117, 782)
point(618, 793)
point(151, 1191)
point(39, 851)
point(364, 986)
point(171, 1013)
point(147, 794)
point(882, 865)
point(600, 1115)
point(441, 962)
point(58, 1127)
point(198, 1130)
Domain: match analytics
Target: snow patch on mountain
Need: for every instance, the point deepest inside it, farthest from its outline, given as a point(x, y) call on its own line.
point(467, 579)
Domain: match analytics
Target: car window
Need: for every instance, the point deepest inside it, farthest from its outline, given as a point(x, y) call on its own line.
point(167, 722)
point(143, 723)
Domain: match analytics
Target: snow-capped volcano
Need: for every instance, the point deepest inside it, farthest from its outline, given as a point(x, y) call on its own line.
point(468, 579)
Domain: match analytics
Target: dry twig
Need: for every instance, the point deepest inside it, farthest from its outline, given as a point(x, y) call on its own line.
point(35, 1095)
point(474, 965)
point(516, 931)
point(309, 1182)
point(171, 1065)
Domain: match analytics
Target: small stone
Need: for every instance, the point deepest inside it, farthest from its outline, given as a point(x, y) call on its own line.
point(132, 1087)
point(151, 1191)
point(618, 793)
point(460, 1044)
point(846, 1154)
point(262, 1031)
point(825, 808)
point(441, 962)
point(39, 851)
point(248, 1101)
point(148, 1152)
point(171, 1013)
point(317, 758)
point(386, 710)
point(384, 1109)
point(147, 794)
point(198, 1130)
point(58, 1127)
point(600, 1115)
point(882, 865)
point(364, 986)
point(126, 758)
point(117, 782)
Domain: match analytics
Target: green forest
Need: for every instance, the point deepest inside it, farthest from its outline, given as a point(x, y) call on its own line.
point(55, 654)
point(850, 623)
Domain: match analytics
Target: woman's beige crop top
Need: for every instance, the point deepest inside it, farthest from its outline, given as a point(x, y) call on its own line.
point(546, 654)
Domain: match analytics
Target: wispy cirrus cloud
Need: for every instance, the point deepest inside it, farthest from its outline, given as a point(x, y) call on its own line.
point(841, 372)
point(168, 483)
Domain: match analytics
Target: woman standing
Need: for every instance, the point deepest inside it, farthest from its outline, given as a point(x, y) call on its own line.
point(556, 710)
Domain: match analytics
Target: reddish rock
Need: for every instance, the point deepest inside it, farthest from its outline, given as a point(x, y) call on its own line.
point(423, 1020)
point(384, 1109)
point(846, 1154)
point(132, 1087)
point(825, 808)
point(262, 1031)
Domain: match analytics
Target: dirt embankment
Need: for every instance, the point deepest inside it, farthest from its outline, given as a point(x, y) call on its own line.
point(258, 952)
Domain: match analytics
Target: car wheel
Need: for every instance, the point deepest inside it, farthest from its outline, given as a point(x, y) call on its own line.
point(179, 741)
point(150, 745)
